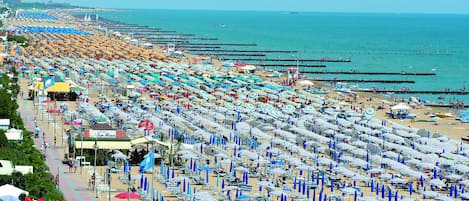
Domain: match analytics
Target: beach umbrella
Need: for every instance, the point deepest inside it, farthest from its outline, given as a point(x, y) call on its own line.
point(430, 194)
point(437, 182)
point(125, 195)
point(465, 195)
point(410, 188)
point(382, 191)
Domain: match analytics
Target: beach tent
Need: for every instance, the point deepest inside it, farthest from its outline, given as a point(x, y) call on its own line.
point(11, 190)
point(305, 83)
point(14, 134)
point(58, 87)
point(400, 107)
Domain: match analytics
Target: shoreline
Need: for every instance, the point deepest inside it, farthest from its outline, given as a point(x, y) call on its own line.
point(453, 133)
point(281, 142)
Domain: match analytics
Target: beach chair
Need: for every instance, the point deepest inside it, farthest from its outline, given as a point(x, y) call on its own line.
point(245, 187)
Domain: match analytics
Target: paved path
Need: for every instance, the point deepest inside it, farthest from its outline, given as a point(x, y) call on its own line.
point(71, 186)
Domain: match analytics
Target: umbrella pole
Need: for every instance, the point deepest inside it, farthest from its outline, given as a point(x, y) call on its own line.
point(63, 125)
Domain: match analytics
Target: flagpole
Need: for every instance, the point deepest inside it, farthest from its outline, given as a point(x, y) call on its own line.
point(152, 171)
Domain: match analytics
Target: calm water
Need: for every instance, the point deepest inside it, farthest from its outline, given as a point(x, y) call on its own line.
point(374, 42)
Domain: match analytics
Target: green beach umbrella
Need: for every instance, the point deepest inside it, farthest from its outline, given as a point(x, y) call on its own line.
point(101, 119)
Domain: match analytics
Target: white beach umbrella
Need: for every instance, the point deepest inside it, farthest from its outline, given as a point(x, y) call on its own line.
point(398, 181)
point(437, 183)
point(465, 195)
point(348, 190)
point(453, 177)
point(430, 194)
point(278, 171)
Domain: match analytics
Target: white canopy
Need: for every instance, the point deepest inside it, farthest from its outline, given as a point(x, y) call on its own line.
point(305, 83)
point(400, 106)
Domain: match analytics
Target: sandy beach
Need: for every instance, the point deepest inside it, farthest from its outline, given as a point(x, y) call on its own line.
point(303, 145)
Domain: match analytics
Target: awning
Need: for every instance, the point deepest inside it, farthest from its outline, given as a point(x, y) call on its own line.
point(149, 140)
point(142, 140)
point(103, 144)
point(59, 87)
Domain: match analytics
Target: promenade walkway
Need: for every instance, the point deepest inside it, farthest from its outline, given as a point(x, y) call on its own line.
point(69, 183)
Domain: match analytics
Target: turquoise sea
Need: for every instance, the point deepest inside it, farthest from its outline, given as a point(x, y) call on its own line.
point(375, 42)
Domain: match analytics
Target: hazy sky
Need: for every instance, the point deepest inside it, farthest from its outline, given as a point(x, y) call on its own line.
point(393, 6)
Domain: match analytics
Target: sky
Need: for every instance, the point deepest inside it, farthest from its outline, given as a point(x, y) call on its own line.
point(375, 6)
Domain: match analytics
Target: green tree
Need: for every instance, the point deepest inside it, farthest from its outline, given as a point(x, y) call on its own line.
point(41, 182)
point(3, 139)
point(18, 39)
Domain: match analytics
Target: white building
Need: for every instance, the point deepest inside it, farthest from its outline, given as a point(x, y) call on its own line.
point(14, 134)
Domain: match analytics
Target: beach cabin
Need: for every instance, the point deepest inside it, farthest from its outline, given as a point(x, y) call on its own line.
point(4, 124)
point(105, 136)
point(6, 167)
point(24, 169)
point(14, 135)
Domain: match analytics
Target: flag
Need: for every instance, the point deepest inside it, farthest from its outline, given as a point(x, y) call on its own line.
point(147, 162)
point(49, 82)
point(149, 126)
point(143, 123)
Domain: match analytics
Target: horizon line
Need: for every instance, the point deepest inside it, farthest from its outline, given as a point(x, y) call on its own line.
point(274, 10)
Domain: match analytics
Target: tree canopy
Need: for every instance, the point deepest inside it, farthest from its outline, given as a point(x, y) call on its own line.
point(39, 184)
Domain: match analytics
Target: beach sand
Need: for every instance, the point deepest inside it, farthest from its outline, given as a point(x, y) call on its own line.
point(453, 128)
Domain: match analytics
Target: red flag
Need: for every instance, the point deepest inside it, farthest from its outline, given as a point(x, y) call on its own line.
point(141, 124)
point(149, 126)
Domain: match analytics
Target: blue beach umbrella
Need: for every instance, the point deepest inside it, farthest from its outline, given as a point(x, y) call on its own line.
point(390, 195)
point(294, 183)
point(377, 189)
point(314, 194)
point(184, 185)
point(382, 191)
point(410, 188)
point(141, 181)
